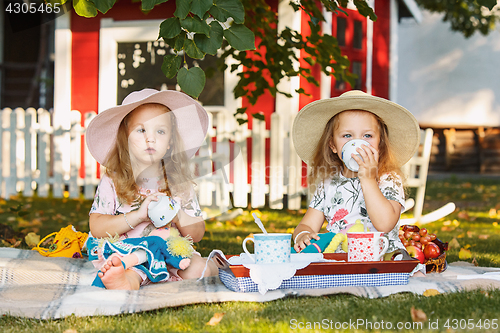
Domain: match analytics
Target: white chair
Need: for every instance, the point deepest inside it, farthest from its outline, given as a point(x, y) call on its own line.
point(416, 176)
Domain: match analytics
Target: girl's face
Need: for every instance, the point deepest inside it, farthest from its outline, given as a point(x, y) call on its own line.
point(149, 134)
point(355, 124)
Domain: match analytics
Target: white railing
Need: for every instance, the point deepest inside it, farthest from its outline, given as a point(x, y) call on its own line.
point(41, 150)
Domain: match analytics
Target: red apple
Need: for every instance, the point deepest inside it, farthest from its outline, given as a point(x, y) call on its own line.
point(416, 253)
point(431, 250)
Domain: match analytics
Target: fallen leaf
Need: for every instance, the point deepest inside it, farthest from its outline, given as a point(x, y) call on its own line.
point(447, 222)
point(70, 330)
point(463, 215)
point(474, 262)
point(418, 315)
point(256, 212)
point(216, 318)
point(431, 292)
point(470, 234)
point(32, 239)
point(454, 244)
point(492, 213)
point(483, 237)
point(464, 254)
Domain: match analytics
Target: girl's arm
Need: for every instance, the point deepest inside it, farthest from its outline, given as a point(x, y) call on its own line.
point(308, 228)
point(103, 224)
point(189, 225)
point(383, 213)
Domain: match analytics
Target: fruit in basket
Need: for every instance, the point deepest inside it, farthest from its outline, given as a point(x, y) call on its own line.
point(416, 253)
point(431, 251)
point(417, 238)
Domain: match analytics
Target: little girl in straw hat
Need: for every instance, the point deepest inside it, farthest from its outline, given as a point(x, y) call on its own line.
point(145, 145)
point(374, 193)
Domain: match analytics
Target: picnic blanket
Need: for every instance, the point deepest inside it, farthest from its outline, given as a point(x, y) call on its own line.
point(34, 286)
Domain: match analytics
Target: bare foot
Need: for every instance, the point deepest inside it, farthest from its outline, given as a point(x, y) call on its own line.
point(184, 263)
point(114, 275)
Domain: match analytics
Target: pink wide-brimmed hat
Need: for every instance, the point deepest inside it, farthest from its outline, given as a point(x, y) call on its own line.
point(191, 117)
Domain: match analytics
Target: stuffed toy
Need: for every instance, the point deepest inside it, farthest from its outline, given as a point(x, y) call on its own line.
point(164, 246)
point(317, 246)
point(341, 237)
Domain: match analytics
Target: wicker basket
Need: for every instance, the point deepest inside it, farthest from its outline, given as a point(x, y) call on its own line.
point(437, 265)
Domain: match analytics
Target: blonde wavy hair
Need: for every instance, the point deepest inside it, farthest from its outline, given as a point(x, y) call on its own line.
point(174, 166)
point(326, 164)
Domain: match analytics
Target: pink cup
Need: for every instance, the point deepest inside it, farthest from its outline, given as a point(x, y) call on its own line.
point(366, 246)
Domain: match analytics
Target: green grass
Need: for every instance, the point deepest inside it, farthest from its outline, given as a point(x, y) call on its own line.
point(475, 225)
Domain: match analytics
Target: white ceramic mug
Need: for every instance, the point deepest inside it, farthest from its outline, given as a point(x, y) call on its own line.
point(162, 211)
point(348, 149)
point(270, 248)
point(366, 246)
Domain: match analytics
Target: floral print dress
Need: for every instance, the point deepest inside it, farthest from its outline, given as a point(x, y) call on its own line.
point(107, 202)
point(342, 202)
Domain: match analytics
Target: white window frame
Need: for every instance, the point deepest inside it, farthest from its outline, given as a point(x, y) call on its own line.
point(113, 32)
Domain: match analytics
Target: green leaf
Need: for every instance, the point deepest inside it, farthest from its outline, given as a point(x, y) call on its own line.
point(192, 50)
point(487, 3)
point(240, 37)
point(365, 10)
point(259, 116)
point(224, 9)
point(84, 8)
point(213, 42)
point(191, 81)
point(182, 8)
point(103, 5)
point(171, 64)
point(200, 7)
point(170, 28)
point(241, 121)
point(241, 111)
point(149, 4)
point(195, 24)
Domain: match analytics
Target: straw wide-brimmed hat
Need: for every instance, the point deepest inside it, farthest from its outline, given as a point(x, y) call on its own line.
point(191, 118)
point(310, 122)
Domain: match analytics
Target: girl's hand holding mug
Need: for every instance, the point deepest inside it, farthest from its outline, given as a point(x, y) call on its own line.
point(142, 212)
point(368, 162)
point(303, 239)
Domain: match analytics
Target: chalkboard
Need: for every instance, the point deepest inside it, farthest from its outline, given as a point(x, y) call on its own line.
point(139, 67)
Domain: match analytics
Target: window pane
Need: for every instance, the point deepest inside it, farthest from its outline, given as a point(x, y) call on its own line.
point(341, 25)
point(139, 67)
point(358, 35)
point(357, 69)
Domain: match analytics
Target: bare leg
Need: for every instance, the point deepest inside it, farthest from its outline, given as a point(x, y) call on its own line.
point(184, 263)
point(114, 275)
point(196, 268)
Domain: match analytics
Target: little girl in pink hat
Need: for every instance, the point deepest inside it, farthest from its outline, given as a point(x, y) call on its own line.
point(145, 145)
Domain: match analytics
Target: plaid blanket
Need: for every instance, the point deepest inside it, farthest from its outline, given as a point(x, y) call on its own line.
point(34, 286)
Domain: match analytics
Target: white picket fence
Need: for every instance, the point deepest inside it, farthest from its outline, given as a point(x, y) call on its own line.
point(41, 150)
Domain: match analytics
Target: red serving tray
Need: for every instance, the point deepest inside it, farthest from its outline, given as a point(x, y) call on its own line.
point(331, 268)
